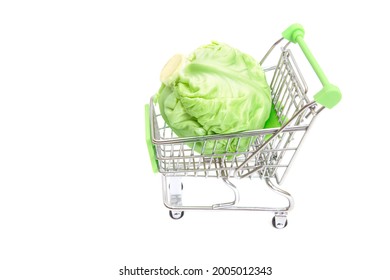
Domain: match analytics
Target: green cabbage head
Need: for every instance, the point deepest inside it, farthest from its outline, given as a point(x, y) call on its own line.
point(217, 90)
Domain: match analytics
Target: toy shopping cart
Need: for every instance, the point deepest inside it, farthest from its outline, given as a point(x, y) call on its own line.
point(268, 152)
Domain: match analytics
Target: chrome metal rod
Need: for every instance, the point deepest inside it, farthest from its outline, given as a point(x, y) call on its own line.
point(226, 206)
point(269, 140)
point(270, 50)
point(282, 193)
point(236, 196)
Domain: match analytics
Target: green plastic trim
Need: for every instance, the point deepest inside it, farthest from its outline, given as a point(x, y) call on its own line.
point(293, 31)
point(151, 148)
point(330, 94)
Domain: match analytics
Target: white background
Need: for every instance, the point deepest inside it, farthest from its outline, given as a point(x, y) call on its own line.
point(78, 199)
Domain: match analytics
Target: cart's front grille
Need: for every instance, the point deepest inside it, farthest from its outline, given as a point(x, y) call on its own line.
point(258, 153)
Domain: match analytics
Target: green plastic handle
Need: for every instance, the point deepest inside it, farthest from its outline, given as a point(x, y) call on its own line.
point(148, 134)
point(330, 94)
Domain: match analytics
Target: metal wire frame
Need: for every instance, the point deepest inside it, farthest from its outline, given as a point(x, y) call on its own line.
point(265, 153)
point(231, 205)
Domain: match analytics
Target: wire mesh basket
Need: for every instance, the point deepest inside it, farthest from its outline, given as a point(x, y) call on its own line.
point(265, 153)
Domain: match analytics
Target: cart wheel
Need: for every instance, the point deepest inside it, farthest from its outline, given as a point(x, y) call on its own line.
point(279, 222)
point(176, 215)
